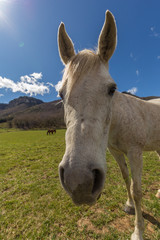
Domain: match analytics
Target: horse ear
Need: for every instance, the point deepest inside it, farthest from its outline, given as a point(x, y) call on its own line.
point(65, 45)
point(108, 38)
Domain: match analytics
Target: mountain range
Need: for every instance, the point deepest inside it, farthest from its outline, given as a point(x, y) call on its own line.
point(28, 112)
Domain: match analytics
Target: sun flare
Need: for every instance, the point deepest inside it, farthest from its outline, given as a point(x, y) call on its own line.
point(4, 12)
point(4, 1)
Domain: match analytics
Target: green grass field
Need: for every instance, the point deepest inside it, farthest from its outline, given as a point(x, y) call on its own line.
point(33, 204)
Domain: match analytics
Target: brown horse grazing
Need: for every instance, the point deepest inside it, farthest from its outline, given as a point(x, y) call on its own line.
point(51, 131)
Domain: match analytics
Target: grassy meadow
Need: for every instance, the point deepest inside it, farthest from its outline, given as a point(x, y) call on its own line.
point(33, 204)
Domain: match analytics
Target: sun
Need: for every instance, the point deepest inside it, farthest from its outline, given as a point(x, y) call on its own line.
point(4, 1)
point(4, 13)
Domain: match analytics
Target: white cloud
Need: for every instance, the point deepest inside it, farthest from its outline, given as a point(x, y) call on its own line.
point(133, 57)
point(50, 84)
point(133, 90)
point(1, 95)
point(154, 32)
point(27, 84)
point(37, 75)
point(28, 79)
point(158, 57)
point(137, 72)
point(58, 86)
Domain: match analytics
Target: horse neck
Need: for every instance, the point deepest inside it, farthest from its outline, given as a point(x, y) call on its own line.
point(127, 107)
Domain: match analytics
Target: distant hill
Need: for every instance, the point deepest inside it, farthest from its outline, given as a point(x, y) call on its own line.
point(3, 106)
point(28, 112)
point(28, 101)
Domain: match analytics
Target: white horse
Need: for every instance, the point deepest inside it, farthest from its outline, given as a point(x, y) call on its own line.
point(97, 116)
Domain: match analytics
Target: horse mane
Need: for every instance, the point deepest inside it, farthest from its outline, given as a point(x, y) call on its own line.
point(80, 64)
point(143, 98)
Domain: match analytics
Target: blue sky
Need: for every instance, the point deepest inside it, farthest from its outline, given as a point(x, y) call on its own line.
point(29, 59)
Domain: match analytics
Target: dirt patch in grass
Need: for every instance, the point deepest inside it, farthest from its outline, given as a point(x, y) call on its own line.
point(150, 229)
point(123, 224)
point(120, 224)
point(153, 188)
point(88, 225)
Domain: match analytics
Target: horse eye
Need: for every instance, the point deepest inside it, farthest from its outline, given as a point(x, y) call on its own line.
point(111, 91)
point(61, 95)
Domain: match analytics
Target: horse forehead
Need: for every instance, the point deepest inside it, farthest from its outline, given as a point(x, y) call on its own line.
point(90, 80)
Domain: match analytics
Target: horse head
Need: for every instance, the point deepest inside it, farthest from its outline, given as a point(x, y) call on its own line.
point(87, 91)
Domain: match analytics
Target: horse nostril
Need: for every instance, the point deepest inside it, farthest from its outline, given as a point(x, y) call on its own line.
point(98, 180)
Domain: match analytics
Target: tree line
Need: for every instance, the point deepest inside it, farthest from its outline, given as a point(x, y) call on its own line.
point(37, 121)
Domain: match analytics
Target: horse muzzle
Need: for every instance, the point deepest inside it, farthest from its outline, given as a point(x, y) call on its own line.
point(83, 184)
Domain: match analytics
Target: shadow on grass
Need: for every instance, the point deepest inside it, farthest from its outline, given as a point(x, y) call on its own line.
point(151, 219)
point(147, 216)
